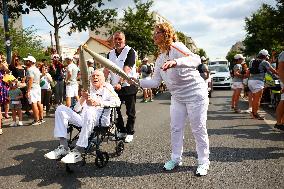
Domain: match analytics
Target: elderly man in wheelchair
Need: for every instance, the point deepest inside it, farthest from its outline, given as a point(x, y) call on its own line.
point(87, 113)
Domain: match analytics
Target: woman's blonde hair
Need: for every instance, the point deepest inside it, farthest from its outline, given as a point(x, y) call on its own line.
point(169, 37)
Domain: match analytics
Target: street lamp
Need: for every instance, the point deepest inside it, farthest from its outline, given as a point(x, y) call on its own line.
point(6, 29)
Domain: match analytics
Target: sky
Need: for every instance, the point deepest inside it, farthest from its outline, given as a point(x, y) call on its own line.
point(214, 25)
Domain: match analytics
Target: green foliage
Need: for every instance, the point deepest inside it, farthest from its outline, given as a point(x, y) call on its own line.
point(265, 29)
point(181, 36)
point(24, 42)
point(230, 55)
point(79, 14)
point(138, 26)
point(201, 52)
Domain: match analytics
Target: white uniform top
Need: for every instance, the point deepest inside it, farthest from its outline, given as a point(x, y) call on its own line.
point(107, 98)
point(46, 81)
point(73, 69)
point(33, 72)
point(119, 61)
point(184, 81)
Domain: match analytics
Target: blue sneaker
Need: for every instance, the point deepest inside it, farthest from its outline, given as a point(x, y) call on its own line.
point(170, 165)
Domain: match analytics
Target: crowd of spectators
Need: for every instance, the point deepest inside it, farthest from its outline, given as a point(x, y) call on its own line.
point(30, 87)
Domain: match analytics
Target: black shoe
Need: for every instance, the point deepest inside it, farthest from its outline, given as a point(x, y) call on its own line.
point(257, 116)
point(236, 110)
point(279, 126)
point(36, 122)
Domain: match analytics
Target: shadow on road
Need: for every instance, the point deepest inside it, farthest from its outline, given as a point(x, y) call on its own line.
point(34, 167)
point(227, 154)
point(258, 132)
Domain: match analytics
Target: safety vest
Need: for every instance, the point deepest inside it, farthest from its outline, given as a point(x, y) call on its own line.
point(119, 61)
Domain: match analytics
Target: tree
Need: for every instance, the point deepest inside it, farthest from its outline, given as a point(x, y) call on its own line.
point(230, 56)
point(79, 14)
point(24, 42)
point(265, 29)
point(138, 25)
point(181, 37)
point(201, 52)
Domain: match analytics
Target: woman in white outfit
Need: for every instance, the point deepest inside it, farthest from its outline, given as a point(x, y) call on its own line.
point(237, 85)
point(91, 108)
point(177, 66)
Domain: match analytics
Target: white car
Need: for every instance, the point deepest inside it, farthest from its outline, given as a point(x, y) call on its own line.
point(221, 76)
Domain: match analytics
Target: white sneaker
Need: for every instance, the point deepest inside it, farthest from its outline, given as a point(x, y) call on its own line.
point(202, 169)
point(128, 138)
point(13, 124)
point(72, 157)
point(57, 153)
point(20, 123)
point(248, 111)
point(121, 135)
point(36, 122)
point(42, 121)
point(1, 131)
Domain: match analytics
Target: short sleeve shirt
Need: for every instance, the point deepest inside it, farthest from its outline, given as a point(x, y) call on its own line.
point(74, 73)
point(281, 57)
point(204, 68)
point(144, 69)
point(235, 68)
point(14, 93)
point(263, 66)
point(33, 72)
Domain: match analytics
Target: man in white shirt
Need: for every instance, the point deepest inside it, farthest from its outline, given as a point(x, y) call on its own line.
point(92, 113)
point(72, 87)
point(124, 57)
point(34, 90)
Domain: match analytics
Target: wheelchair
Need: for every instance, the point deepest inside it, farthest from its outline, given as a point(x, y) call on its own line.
point(99, 135)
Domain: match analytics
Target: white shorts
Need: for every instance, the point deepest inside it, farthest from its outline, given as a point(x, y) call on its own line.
point(237, 85)
point(35, 95)
point(255, 85)
point(72, 90)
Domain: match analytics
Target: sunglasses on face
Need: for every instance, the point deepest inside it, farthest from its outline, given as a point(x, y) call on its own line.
point(158, 32)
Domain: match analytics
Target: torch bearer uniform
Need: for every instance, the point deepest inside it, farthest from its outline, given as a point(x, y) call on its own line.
point(189, 99)
point(89, 116)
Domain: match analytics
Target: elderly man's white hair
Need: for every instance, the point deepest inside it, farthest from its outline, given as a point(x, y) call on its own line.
point(100, 72)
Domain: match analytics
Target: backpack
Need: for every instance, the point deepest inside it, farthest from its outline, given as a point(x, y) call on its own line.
point(254, 68)
point(149, 69)
point(199, 68)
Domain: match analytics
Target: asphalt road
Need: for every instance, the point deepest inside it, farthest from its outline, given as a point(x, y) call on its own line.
point(245, 153)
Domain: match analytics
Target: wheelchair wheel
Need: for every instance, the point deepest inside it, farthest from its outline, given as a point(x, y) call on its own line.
point(119, 148)
point(101, 159)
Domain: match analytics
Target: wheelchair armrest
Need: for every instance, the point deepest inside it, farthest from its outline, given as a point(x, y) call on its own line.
point(110, 107)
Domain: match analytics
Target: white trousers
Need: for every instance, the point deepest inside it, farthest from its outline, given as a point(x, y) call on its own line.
point(197, 115)
point(65, 115)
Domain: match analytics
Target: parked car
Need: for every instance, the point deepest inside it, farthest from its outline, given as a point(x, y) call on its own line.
point(219, 61)
point(209, 82)
point(221, 76)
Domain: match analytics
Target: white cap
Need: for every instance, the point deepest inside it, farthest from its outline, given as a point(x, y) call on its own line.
point(239, 56)
point(203, 58)
point(90, 61)
point(145, 59)
point(55, 56)
point(31, 58)
point(70, 57)
point(263, 52)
